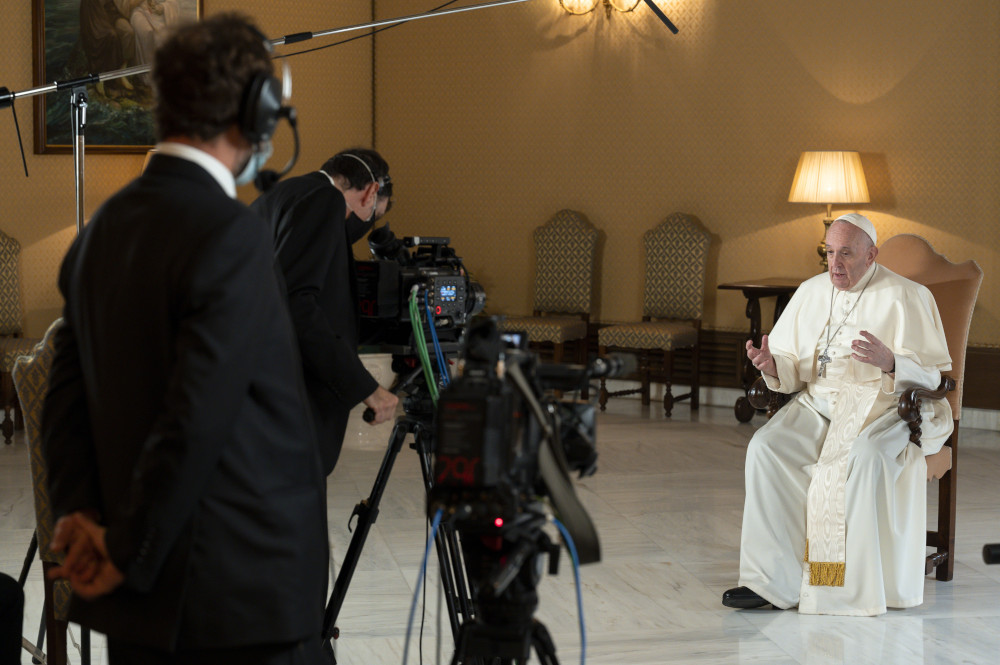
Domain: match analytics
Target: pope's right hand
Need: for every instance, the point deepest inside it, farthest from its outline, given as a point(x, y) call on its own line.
point(762, 358)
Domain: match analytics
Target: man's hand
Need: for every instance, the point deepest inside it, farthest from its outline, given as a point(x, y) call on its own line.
point(873, 352)
point(87, 566)
point(762, 358)
point(383, 403)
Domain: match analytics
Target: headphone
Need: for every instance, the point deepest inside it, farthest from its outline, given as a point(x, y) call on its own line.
point(371, 174)
point(384, 183)
point(261, 108)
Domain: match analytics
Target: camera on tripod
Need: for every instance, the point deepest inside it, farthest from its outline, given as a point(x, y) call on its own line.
point(504, 447)
point(503, 440)
point(445, 294)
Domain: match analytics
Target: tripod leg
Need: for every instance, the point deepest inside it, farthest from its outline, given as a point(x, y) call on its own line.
point(450, 565)
point(367, 512)
point(544, 646)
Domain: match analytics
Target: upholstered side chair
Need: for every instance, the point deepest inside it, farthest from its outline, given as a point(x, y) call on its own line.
point(565, 263)
point(31, 377)
point(673, 304)
point(12, 341)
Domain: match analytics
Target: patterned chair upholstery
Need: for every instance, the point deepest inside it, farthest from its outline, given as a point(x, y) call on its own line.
point(31, 377)
point(673, 303)
point(565, 257)
point(12, 344)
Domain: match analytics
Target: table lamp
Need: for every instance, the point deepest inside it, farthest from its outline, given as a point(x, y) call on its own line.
point(829, 177)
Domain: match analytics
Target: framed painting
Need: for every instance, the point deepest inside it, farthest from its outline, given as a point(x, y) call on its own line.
point(75, 38)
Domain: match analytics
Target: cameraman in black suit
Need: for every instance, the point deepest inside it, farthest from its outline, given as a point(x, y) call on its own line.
point(181, 452)
point(315, 219)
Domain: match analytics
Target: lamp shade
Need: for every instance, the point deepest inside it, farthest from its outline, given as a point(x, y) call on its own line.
point(829, 177)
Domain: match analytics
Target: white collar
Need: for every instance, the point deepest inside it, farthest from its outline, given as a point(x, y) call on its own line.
point(215, 168)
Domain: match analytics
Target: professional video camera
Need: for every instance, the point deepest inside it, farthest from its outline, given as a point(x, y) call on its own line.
point(504, 447)
point(443, 287)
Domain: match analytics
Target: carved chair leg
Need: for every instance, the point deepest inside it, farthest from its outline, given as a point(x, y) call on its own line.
point(9, 398)
point(56, 628)
point(603, 399)
point(644, 375)
point(580, 347)
point(946, 523)
point(18, 415)
point(695, 376)
point(668, 376)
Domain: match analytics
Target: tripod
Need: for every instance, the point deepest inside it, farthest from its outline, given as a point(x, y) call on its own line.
point(509, 645)
point(452, 574)
point(505, 577)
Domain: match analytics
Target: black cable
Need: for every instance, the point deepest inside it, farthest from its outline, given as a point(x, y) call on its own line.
point(367, 34)
point(17, 128)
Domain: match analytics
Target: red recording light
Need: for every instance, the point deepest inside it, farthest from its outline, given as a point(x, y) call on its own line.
point(498, 522)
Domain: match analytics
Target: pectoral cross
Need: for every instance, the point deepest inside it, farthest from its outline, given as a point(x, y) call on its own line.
point(823, 360)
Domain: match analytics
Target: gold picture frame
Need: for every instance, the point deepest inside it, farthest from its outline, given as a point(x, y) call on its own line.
point(76, 38)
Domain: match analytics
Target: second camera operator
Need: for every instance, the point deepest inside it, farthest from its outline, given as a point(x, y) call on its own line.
point(315, 219)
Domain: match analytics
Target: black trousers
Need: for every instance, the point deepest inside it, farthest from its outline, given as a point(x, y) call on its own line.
point(307, 652)
point(11, 618)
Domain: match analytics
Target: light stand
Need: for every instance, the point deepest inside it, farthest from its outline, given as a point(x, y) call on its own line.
point(78, 118)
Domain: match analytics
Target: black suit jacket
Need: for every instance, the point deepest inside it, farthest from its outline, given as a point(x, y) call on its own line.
point(176, 410)
point(306, 214)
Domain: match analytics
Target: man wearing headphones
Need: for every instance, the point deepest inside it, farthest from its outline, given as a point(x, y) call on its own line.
point(182, 459)
point(315, 219)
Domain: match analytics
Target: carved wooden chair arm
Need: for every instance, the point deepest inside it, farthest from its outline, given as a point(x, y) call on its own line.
point(759, 394)
point(909, 404)
point(762, 397)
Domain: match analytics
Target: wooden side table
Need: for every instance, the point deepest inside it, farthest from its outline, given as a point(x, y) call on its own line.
point(753, 290)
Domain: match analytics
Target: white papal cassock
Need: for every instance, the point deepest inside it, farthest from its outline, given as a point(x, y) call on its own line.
point(835, 513)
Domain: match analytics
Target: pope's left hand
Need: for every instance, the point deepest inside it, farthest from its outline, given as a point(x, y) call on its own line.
point(873, 352)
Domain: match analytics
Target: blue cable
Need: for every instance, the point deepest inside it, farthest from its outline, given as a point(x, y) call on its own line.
point(442, 363)
point(420, 581)
point(579, 593)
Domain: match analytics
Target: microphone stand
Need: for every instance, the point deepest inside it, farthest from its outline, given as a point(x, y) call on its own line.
point(78, 86)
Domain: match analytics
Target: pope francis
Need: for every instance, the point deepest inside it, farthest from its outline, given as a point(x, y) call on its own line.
point(835, 513)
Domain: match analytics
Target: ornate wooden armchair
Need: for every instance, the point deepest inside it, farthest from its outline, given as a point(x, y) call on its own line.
point(565, 260)
point(31, 376)
point(955, 287)
point(673, 303)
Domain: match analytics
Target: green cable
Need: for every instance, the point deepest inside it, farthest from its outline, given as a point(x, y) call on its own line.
point(421, 342)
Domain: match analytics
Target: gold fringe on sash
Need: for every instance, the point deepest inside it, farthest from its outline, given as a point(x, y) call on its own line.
point(824, 573)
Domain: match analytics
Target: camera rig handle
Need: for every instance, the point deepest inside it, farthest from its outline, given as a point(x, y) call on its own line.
point(400, 386)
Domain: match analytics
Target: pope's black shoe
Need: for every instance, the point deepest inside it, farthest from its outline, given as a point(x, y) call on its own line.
point(743, 598)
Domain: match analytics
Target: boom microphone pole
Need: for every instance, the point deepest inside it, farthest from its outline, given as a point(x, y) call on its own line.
point(78, 86)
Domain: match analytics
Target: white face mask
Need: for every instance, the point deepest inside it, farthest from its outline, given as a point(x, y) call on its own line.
point(258, 158)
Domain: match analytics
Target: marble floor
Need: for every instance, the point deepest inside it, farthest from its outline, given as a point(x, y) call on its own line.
point(667, 501)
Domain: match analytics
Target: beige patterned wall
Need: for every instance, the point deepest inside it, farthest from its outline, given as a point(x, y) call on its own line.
point(493, 120)
point(331, 90)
